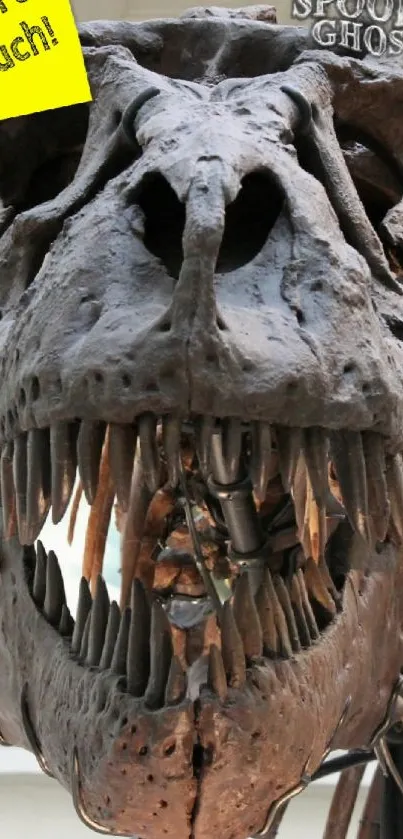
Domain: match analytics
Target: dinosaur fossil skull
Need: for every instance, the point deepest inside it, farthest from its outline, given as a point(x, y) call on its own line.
point(201, 316)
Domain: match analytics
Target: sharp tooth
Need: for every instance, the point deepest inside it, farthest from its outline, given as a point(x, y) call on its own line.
point(299, 612)
point(7, 491)
point(300, 497)
point(122, 446)
point(133, 529)
point(285, 648)
point(83, 610)
point(84, 643)
point(309, 615)
point(271, 644)
point(317, 588)
point(204, 433)
point(118, 663)
point(138, 653)
point(55, 597)
point(63, 443)
point(38, 483)
point(39, 585)
point(247, 618)
point(177, 684)
point(261, 458)
point(111, 634)
point(232, 447)
point(20, 483)
point(285, 603)
point(394, 479)
point(161, 651)
point(66, 625)
point(289, 443)
point(98, 523)
point(314, 536)
point(375, 466)
point(232, 648)
point(315, 450)
point(150, 458)
point(171, 437)
point(89, 449)
point(74, 512)
point(348, 459)
point(98, 624)
point(216, 678)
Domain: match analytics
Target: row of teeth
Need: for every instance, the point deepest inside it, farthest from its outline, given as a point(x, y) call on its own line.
point(137, 643)
point(38, 468)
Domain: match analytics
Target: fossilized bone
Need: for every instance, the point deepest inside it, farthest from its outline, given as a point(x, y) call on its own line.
point(202, 314)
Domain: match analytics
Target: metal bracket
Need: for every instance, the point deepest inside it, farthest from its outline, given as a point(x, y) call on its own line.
point(306, 779)
point(379, 743)
point(76, 792)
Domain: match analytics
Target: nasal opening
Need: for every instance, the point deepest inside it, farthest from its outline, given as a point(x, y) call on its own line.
point(249, 220)
point(164, 221)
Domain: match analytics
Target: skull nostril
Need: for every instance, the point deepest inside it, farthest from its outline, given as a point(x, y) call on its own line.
point(249, 220)
point(164, 221)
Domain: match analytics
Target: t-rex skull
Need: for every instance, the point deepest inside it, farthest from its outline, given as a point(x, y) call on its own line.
point(205, 261)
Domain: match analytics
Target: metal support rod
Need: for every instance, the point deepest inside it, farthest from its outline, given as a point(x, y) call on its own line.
point(392, 803)
point(236, 500)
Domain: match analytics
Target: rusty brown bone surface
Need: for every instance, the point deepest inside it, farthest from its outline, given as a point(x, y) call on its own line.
point(212, 247)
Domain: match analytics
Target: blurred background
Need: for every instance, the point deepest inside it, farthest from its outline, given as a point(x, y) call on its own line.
point(146, 9)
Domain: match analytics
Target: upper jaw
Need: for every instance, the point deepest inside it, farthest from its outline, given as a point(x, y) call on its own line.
point(186, 752)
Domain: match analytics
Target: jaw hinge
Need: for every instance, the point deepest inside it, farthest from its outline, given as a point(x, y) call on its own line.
point(30, 734)
point(76, 788)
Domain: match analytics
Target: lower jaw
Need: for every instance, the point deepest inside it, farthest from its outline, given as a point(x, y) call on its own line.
point(208, 765)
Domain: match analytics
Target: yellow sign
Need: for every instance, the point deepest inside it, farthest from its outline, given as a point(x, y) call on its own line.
point(41, 62)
